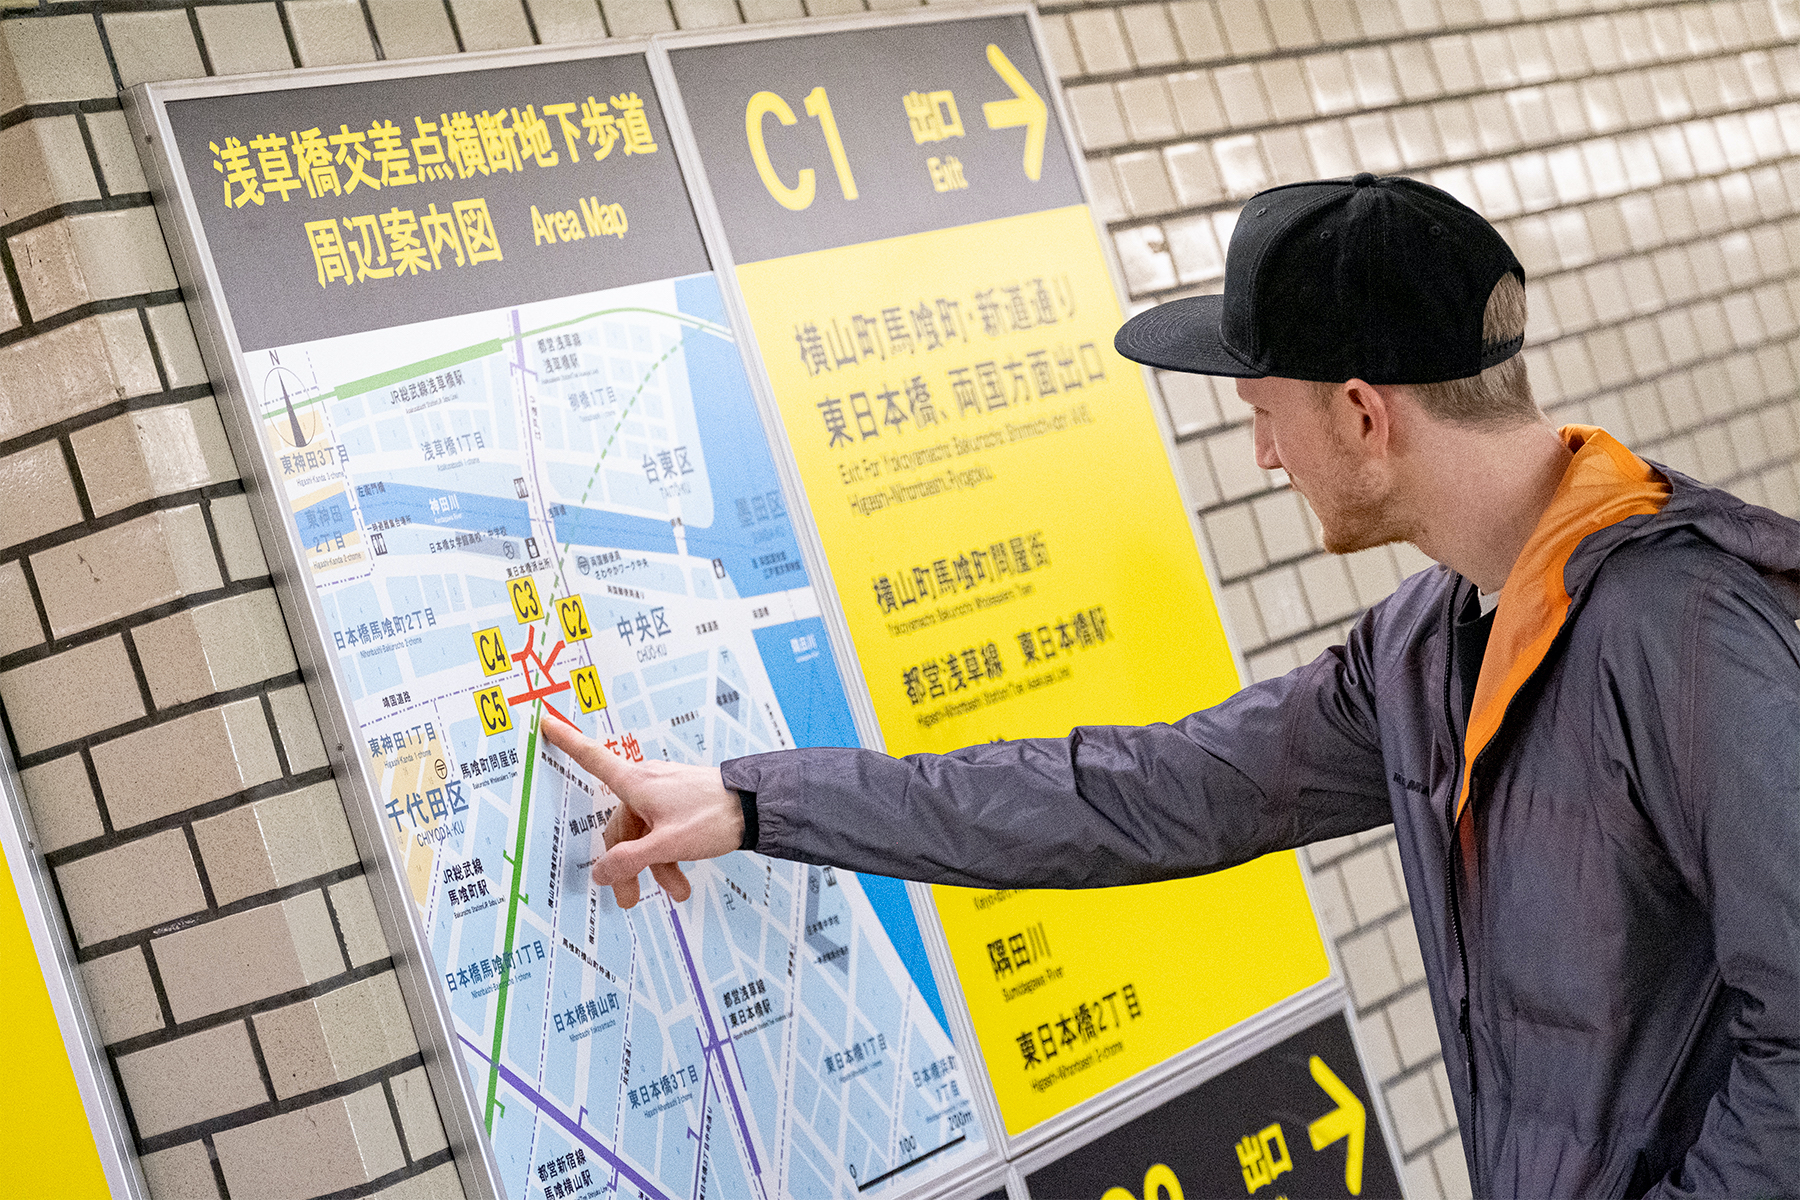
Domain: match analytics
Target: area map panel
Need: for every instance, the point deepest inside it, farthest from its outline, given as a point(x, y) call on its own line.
point(568, 510)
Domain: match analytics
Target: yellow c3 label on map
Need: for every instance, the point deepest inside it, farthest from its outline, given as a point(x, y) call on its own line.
point(491, 706)
point(587, 688)
point(526, 605)
point(573, 615)
point(490, 648)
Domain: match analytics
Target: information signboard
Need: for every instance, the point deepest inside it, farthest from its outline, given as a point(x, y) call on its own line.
point(504, 430)
point(1294, 1120)
point(935, 312)
point(504, 442)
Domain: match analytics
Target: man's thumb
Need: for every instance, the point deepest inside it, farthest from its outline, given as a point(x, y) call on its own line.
point(628, 859)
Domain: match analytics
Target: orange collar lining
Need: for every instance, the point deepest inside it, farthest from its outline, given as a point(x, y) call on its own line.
point(1604, 484)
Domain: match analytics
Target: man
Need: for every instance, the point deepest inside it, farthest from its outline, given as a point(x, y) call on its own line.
point(1585, 723)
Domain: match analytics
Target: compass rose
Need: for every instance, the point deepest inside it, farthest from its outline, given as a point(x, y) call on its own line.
point(296, 427)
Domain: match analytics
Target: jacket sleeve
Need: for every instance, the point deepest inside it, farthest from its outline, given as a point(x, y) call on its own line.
point(1280, 763)
point(1735, 836)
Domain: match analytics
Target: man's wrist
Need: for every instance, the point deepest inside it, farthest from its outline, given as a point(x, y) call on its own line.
point(747, 800)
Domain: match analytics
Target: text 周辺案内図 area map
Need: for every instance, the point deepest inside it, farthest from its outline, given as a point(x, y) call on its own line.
point(569, 507)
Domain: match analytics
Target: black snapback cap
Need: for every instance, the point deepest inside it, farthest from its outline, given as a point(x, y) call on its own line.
point(1380, 278)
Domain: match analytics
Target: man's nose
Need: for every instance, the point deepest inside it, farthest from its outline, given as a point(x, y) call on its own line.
point(1266, 457)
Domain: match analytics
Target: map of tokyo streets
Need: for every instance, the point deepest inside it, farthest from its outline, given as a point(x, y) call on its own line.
point(567, 509)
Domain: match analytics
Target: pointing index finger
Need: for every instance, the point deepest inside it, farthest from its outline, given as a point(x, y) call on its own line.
point(601, 762)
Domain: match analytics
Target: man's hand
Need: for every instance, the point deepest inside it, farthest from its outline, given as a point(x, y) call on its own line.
point(668, 813)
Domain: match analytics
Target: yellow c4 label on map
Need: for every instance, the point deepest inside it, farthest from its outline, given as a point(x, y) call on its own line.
point(526, 605)
point(587, 688)
point(490, 648)
point(496, 716)
point(573, 615)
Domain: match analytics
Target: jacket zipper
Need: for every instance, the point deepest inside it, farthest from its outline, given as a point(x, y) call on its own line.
point(1455, 852)
point(1450, 860)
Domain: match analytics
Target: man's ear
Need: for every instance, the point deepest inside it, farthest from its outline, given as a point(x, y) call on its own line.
point(1366, 414)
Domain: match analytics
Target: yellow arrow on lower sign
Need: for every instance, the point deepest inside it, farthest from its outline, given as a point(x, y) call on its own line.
point(1348, 1120)
point(1026, 108)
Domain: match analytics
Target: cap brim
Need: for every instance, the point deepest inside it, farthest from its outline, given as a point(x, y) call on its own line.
point(1182, 335)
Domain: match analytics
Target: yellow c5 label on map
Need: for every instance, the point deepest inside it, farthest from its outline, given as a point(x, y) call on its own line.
point(495, 713)
point(998, 510)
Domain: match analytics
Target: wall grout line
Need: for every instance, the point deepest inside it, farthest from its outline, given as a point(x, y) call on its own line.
point(243, 1012)
point(106, 629)
point(275, 1108)
point(80, 312)
point(100, 413)
point(113, 839)
point(387, 1090)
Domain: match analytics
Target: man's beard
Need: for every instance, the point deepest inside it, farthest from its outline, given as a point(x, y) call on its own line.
point(1357, 514)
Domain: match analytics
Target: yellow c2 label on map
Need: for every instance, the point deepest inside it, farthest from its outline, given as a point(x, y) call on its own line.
point(490, 648)
point(587, 688)
point(526, 605)
point(572, 614)
point(495, 713)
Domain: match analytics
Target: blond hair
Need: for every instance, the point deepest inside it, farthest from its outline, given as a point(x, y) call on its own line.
point(1500, 395)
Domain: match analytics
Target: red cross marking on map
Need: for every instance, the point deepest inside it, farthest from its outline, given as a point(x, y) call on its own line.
point(528, 658)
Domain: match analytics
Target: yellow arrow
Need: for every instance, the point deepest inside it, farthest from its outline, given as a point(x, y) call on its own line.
point(1025, 108)
point(1347, 1120)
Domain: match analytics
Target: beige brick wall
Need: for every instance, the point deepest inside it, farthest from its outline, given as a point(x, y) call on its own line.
point(172, 766)
point(1643, 158)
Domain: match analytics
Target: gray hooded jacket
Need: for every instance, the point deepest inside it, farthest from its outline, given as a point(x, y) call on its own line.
point(1609, 906)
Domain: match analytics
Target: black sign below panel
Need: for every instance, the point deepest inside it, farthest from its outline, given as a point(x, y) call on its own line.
point(1295, 1121)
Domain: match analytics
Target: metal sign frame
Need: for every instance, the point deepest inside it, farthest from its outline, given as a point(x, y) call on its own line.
point(423, 989)
point(421, 985)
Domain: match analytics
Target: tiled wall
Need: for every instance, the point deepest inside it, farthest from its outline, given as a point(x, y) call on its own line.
point(1644, 159)
point(171, 762)
point(1644, 162)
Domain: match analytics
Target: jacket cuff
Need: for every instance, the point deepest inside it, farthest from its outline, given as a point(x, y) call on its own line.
point(766, 787)
point(747, 800)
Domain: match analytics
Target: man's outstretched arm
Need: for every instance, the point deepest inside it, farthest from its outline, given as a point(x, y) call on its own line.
point(1280, 763)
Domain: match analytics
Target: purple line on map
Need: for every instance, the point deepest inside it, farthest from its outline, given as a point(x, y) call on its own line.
point(706, 1016)
point(545, 1106)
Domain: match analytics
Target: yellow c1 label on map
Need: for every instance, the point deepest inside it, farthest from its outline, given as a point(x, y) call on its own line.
point(587, 688)
point(495, 713)
point(526, 605)
point(997, 506)
point(572, 614)
point(490, 648)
